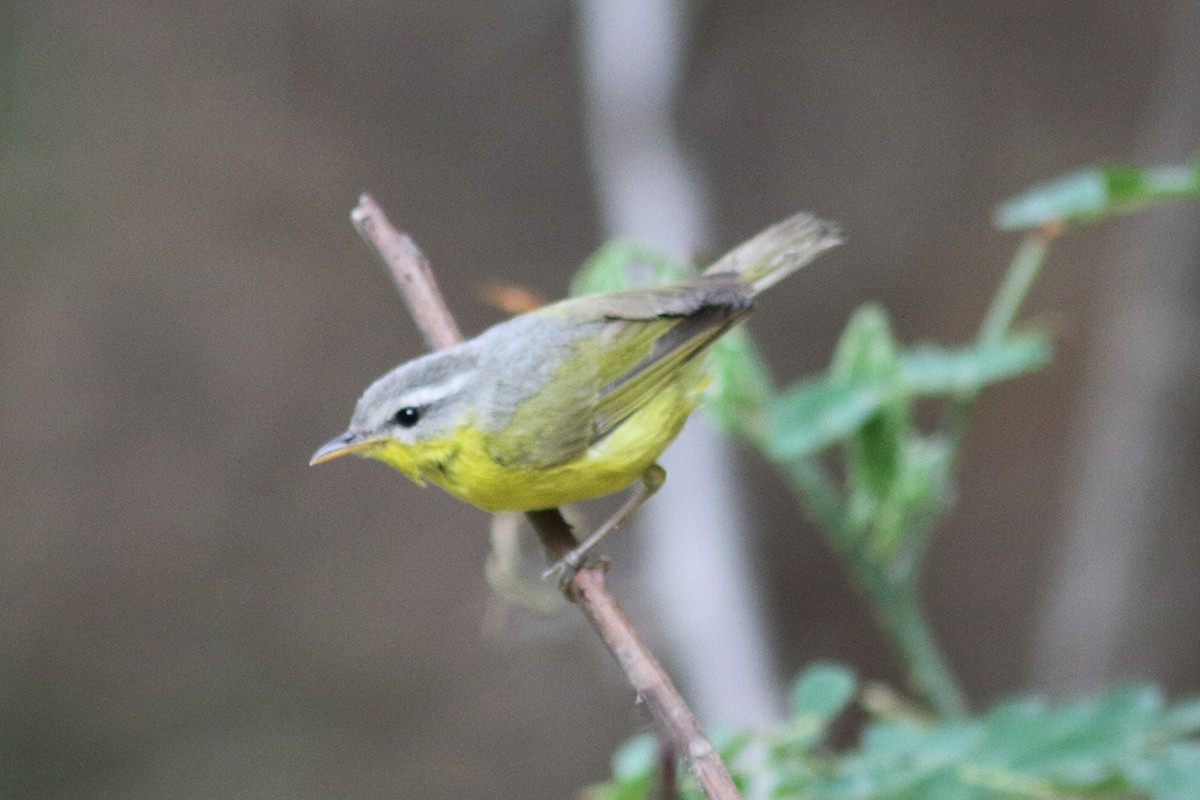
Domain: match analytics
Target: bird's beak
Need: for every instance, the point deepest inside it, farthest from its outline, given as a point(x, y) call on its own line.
point(348, 442)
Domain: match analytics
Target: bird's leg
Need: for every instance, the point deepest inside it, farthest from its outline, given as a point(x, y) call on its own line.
point(566, 567)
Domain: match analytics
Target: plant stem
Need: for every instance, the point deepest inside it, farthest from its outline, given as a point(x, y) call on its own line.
point(895, 599)
point(891, 593)
point(811, 482)
point(899, 612)
point(892, 597)
point(1022, 271)
point(1024, 268)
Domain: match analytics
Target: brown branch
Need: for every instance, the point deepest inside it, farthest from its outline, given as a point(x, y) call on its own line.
point(677, 726)
point(411, 272)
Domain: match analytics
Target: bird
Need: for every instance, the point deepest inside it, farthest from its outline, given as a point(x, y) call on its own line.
point(575, 399)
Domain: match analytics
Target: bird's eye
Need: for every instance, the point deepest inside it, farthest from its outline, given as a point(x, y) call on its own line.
point(407, 416)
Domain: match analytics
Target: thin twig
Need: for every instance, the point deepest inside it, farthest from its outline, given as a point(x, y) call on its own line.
point(678, 728)
point(411, 272)
point(677, 725)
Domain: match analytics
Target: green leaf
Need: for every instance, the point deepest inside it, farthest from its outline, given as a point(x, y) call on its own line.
point(1096, 192)
point(1084, 744)
point(729, 742)
point(621, 264)
point(875, 453)
point(636, 758)
point(1183, 719)
point(1123, 743)
point(1176, 775)
point(920, 483)
point(866, 353)
point(817, 413)
point(823, 691)
point(741, 388)
point(866, 348)
point(900, 758)
point(860, 387)
point(932, 370)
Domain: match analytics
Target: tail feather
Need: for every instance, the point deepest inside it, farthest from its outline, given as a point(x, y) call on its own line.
point(779, 251)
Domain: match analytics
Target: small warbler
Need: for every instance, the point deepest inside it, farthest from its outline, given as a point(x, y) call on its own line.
point(575, 399)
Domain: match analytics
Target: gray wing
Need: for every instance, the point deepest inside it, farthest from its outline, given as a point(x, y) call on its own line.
point(625, 347)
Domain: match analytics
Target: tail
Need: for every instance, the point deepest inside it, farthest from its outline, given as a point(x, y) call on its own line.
point(779, 251)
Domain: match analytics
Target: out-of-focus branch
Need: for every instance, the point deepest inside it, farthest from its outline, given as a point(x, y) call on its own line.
point(676, 723)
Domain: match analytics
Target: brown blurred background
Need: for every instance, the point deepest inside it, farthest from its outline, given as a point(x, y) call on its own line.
point(189, 611)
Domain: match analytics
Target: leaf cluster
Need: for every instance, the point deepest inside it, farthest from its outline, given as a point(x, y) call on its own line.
point(1123, 743)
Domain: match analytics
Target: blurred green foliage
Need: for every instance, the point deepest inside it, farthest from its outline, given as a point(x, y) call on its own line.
point(1123, 743)
point(1097, 192)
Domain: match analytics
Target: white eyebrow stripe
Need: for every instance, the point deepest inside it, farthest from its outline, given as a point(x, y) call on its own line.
point(425, 395)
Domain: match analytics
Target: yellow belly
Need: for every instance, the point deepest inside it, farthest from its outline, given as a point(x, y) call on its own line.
point(460, 464)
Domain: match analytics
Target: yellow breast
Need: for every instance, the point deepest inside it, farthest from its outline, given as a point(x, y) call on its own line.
point(461, 464)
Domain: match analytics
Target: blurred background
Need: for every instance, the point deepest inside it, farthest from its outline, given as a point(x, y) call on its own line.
point(189, 611)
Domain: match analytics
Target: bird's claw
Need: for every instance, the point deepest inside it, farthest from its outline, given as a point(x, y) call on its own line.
point(564, 570)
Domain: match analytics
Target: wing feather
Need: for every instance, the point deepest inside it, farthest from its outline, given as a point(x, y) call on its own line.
point(630, 346)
